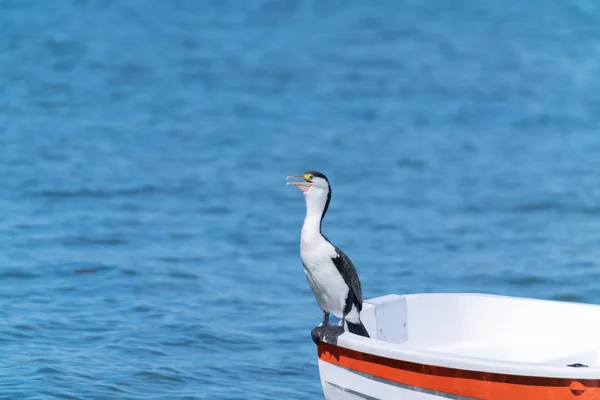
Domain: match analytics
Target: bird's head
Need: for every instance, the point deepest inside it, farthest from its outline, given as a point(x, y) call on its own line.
point(315, 187)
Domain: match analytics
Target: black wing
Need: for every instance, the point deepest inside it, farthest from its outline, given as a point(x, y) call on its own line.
point(348, 272)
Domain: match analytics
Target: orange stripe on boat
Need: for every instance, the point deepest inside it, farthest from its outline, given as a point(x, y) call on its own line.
point(459, 382)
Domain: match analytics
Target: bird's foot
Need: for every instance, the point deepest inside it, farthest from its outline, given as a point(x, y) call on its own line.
point(326, 333)
point(316, 334)
point(331, 333)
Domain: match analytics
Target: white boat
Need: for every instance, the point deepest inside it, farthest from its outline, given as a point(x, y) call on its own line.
point(466, 346)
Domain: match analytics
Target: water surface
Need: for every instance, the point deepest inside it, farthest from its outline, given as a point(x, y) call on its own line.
point(145, 144)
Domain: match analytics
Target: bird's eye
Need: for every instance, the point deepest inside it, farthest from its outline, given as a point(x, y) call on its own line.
point(309, 177)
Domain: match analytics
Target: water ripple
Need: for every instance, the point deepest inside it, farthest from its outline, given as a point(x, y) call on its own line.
point(17, 274)
point(99, 194)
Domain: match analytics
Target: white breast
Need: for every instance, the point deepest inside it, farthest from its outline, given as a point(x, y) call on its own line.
point(326, 282)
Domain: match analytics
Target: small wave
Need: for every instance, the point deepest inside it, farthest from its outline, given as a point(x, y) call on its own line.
point(182, 275)
point(130, 272)
point(385, 227)
point(149, 350)
point(410, 163)
point(532, 208)
point(537, 206)
point(143, 308)
point(526, 280)
point(570, 297)
point(159, 376)
point(59, 395)
point(113, 388)
point(217, 210)
point(181, 235)
point(511, 279)
point(104, 193)
point(180, 260)
point(81, 271)
point(24, 327)
point(48, 371)
point(556, 207)
point(581, 265)
point(91, 268)
point(18, 274)
point(86, 240)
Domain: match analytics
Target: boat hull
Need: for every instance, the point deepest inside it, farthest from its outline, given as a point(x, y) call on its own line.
point(425, 347)
point(361, 386)
point(348, 374)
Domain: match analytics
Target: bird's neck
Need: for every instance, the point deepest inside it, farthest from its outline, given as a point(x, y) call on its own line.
point(311, 230)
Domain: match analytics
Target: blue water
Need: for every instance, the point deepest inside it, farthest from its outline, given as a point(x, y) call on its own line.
point(147, 144)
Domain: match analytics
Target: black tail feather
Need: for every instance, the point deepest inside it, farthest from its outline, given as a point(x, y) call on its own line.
point(357, 329)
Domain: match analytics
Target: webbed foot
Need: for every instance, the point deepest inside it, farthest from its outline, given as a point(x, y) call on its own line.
point(327, 333)
point(316, 334)
point(331, 333)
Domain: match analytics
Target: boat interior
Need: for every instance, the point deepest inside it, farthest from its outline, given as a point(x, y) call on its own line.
point(488, 327)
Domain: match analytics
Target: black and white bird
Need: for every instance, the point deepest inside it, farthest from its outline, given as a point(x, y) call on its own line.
point(330, 273)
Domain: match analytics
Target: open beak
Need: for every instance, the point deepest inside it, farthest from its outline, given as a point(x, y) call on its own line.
point(303, 184)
